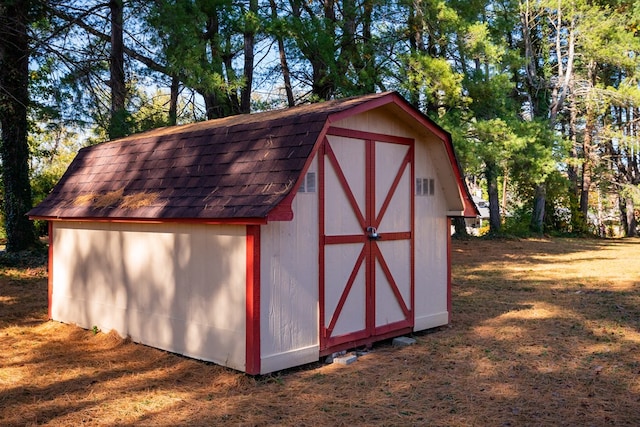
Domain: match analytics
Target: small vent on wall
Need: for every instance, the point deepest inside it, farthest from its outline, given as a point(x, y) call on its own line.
point(425, 186)
point(308, 183)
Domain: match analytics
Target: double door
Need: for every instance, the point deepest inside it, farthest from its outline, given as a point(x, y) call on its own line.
point(366, 238)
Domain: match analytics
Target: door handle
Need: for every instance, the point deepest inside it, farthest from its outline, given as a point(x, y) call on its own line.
point(373, 233)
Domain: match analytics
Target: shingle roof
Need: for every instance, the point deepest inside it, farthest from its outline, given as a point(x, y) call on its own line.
point(235, 167)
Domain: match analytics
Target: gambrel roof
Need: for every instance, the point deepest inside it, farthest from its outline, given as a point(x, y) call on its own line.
point(241, 167)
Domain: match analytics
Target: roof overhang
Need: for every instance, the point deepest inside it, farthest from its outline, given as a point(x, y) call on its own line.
point(208, 221)
point(261, 197)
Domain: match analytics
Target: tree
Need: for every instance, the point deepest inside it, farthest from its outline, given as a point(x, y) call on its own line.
point(15, 18)
point(622, 148)
point(118, 118)
point(428, 77)
point(201, 42)
point(489, 86)
point(278, 31)
point(606, 66)
point(333, 47)
point(511, 80)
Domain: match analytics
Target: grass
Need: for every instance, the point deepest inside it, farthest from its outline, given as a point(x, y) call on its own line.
point(544, 332)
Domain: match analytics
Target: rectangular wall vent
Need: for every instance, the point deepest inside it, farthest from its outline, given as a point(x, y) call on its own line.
point(425, 186)
point(308, 183)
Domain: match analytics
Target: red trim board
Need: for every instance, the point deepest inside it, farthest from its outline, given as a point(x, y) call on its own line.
point(252, 349)
point(370, 207)
point(321, 239)
point(50, 270)
point(449, 305)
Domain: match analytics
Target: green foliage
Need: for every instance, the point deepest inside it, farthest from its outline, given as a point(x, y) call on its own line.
point(491, 96)
point(149, 110)
point(479, 45)
point(334, 50)
point(435, 79)
point(199, 42)
point(495, 137)
point(604, 39)
point(34, 257)
point(489, 72)
point(120, 124)
point(536, 154)
point(52, 148)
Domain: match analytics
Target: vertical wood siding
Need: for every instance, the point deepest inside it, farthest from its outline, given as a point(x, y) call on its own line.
point(431, 248)
point(289, 287)
point(179, 287)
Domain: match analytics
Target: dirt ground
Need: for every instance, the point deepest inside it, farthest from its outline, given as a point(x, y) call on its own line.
point(545, 332)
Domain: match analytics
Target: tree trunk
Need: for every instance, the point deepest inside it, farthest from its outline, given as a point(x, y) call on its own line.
point(460, 228)
point(491, 174)
point(416, 24)
point(537, 215)
point(533, 82)
point(531, 68)
point(213, 107)
point(323, 83)
point(249, 37)
point(627, 217)
point(572, 170)
point(585, 183)
point(348, 46)
point(173, 101)
point(505, 182)
point(365, 60)
point(624, 224)
point(118, 125)
point(632, 224)
point(14, 99)
point(565, 77)
point(286, 74)
point(587, 146)
point(217, 102)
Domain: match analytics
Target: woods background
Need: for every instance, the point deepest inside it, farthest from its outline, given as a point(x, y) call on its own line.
point(542, 97)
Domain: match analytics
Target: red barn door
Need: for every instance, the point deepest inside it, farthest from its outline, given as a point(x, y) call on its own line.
point(366, 238)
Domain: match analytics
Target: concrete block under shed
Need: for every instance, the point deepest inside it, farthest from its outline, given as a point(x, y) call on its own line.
point(347, 359)
point(403, 341)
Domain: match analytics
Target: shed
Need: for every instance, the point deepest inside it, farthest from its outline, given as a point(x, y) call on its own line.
point(484, 215)
point(262, 241)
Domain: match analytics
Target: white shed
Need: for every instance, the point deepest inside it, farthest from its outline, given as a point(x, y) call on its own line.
point(263, 241)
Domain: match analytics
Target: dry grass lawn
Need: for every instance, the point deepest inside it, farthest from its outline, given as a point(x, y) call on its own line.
point(545, 332)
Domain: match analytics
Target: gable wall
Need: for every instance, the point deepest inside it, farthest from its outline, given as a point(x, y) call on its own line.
point(179, 287)
point(431, 230)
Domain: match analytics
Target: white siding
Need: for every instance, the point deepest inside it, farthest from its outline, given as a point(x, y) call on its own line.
point(289, 333)
point(430, 249)
point(380, 120)
point(179, 287)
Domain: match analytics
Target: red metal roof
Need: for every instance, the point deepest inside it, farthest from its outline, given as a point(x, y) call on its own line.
point(239, 167)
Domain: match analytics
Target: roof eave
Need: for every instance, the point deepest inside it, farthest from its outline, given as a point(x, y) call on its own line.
point(138, 220)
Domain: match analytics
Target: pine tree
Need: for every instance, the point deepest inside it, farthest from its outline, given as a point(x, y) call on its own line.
point(15, 18)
